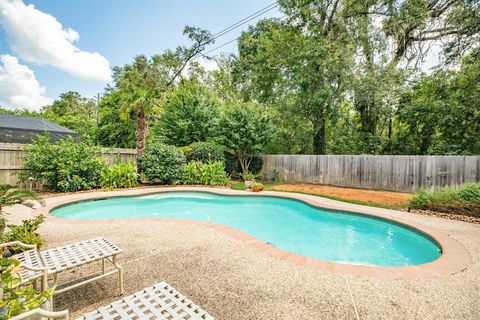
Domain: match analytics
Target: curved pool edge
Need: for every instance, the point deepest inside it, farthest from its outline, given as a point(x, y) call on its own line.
point(455, 257)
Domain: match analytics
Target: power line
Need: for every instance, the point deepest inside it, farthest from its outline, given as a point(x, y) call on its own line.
point(236, 25)
point(220, 46)
point(245, 20)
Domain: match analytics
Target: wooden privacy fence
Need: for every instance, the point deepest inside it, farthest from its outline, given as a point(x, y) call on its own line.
point(396, 173)
point(11, 162)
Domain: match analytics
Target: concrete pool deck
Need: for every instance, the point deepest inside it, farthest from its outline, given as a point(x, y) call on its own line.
point(232, 279)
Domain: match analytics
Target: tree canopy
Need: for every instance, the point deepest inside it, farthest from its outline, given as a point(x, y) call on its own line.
point(331, 76)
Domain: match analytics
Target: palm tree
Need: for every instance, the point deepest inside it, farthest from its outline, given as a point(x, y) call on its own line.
point(11, 195)
point(141, 102)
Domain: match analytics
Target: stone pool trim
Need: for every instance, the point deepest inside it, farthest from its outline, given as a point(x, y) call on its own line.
point(454, 258)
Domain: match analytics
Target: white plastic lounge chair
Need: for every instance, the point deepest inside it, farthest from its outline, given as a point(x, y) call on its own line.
point(161, 301)
point(39, 265)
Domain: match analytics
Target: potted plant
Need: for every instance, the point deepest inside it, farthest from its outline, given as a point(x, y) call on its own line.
point(249, 180)
point(257, 187)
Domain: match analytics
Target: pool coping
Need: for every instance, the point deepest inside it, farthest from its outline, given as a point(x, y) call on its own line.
point(455, 257)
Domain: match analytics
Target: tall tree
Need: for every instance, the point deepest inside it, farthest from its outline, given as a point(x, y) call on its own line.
point(190, 115)
point(114, 130)
point(144, 83)
point(246, 130)
point(392, 35)
point(441, 113)
point(75, 112)
point(303, 60)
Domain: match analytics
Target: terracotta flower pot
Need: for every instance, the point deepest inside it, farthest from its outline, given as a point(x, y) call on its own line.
point(257, 188)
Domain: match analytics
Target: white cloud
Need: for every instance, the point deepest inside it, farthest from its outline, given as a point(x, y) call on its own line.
point(18, 86)
point(38, 37)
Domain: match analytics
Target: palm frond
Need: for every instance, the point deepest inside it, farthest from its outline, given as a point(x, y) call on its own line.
point(11, 195)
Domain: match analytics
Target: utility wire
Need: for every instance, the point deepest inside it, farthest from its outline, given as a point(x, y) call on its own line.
point(245, 20)
point(234, 26)
point(203, 54)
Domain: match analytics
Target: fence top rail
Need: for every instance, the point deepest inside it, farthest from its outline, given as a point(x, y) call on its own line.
point(20, 146)
point(371, 156)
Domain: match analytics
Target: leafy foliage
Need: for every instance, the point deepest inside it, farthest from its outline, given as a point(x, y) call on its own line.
point(462, 201)
point(245, 130)
point(74, 112)
point(205, 152)
point(162, 164)
point(210, 173)
point(25, 232)
point(441, 113)
point(11, 195)
point(65, 166)
point(119, 175)
point(113, 130)
point(15, 298)
point(191, 114)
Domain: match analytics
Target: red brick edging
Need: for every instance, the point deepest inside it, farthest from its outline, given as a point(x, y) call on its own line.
point(454, 258)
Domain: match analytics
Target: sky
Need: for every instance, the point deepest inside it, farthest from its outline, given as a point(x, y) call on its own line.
point(48, 47)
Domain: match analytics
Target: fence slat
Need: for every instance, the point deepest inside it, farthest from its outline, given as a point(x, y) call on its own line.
point(396, 173)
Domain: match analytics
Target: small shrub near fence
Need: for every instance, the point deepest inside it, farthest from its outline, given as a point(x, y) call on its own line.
point(162, 164)
point(211, 173)
point(119, 175)
point(64, 166)
point(465, 201)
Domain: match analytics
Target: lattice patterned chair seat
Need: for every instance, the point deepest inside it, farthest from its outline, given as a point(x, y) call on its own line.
point(32, 259)
point(56, 260)
point(160, 301)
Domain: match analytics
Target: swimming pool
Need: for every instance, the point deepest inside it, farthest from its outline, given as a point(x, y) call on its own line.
point(288, 224)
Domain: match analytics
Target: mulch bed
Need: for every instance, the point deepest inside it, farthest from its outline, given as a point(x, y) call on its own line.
point(444, 215)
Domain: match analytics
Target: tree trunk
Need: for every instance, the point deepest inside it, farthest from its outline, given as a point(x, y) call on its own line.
point(368, 121)
point(319, 140)
point(142, 131)
point(244, 162)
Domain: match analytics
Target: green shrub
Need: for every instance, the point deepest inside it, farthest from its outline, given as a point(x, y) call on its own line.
point(16, 298)
point(190, 114)
point(465, 201)
point(211, 173)
point(470, 192)
point(162, 164)
point(119, 175)
point(25, 232)
point(205, 152)
point(64, 166)
point(247, 176)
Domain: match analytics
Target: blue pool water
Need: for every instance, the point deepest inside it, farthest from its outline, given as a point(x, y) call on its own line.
point(287, 224)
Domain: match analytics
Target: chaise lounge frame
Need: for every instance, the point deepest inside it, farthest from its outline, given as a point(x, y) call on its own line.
point(160, 301)
point(39, 265)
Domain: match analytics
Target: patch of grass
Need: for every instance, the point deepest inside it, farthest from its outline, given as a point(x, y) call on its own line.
point(238, 185)
point(464, 201)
